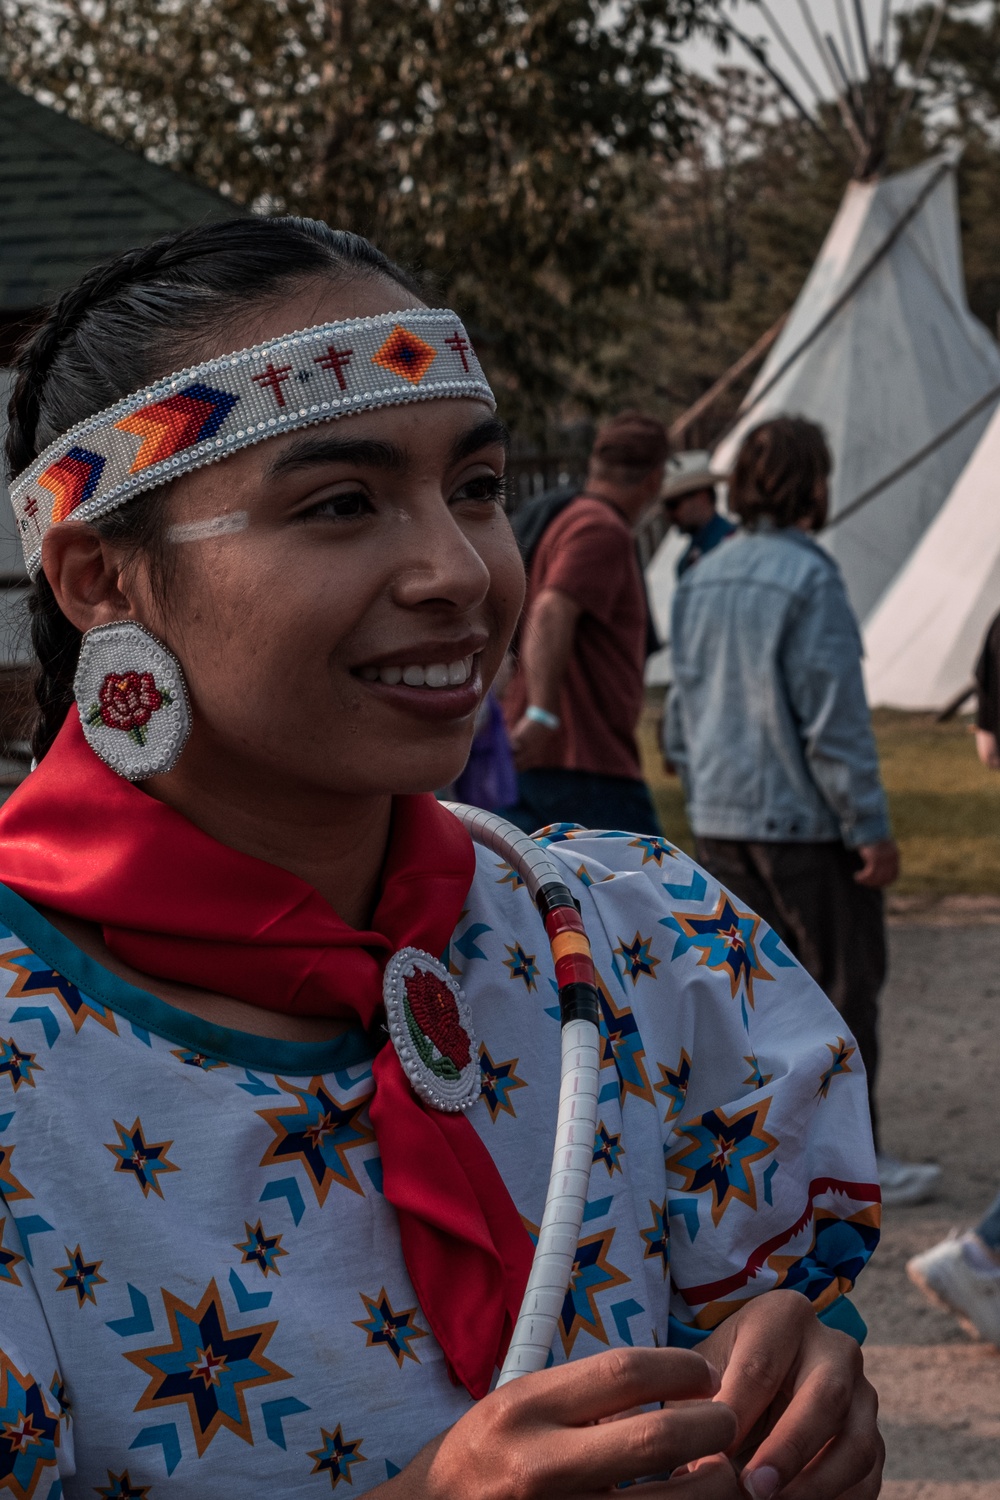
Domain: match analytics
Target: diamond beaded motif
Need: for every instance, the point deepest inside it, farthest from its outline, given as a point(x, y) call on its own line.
point(208, 411)
point(132, 699)
point(431, 1029)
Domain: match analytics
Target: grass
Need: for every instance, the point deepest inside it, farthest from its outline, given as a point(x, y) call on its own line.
point(945, 806)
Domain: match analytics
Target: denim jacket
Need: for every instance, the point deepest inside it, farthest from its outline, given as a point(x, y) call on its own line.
point(767, 721)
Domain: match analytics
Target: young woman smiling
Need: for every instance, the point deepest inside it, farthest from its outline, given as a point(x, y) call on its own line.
point(242, 1250)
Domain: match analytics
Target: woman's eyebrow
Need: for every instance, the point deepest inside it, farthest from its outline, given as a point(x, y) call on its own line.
point(311, 451)
point(485, 434)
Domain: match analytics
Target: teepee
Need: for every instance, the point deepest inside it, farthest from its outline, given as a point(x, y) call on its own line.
point(923, 638)
point(880, 347)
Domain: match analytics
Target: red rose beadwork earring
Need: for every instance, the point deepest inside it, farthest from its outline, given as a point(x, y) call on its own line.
point(133, 700)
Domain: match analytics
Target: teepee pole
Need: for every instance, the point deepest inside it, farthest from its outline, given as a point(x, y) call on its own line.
point(914, 459)
point(930, 38)
point(864, 272)
point(859, 15)
point(782, 38)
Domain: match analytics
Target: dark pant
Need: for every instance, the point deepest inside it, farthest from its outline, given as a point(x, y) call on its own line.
point(988, 1229)
point(557, 796)
point(835, 927)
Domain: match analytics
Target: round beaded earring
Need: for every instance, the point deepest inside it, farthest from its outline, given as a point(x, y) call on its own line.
point(133, 700)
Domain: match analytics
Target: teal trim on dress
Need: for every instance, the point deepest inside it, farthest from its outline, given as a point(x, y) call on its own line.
point(841, 1314)
point(242, 1048)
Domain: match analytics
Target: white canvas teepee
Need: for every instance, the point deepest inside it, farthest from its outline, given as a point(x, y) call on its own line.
point(922, 640)
point(882, 350)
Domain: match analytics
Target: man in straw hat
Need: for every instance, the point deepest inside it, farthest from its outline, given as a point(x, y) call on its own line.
point(689, 503)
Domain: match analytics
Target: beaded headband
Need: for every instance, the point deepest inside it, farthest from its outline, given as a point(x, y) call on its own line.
point(213, 409)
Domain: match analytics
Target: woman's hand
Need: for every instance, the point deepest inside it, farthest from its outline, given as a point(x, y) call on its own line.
point(805, 1412)
point(574, 1432)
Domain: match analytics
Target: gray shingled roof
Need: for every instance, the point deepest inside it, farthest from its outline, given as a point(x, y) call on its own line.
point(69, 197)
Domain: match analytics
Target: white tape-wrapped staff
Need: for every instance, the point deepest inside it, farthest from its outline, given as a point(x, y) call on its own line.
point(566, 1199)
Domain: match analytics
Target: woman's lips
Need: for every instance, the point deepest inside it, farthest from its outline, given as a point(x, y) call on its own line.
point(454, 701)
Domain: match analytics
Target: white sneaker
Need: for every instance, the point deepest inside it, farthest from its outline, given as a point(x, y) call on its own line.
point(946, 1275)
point(906, 1181)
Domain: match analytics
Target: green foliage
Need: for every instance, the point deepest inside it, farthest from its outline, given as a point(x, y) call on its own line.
point(502, 148)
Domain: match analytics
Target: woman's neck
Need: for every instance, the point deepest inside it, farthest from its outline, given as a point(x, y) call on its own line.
point(335, 843)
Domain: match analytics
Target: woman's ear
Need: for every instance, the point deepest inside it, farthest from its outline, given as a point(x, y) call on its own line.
point(85, 575)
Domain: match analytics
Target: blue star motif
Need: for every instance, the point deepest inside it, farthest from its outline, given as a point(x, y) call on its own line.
point(592, 1274)
point(499, 1081)
point(521, 965)
point(725, 940)
point(8, 1260)
point(395, 1330)
point(196, 1059)
point(80, 1276)
point(673, 1085)
point(319, 1134)
point(719, 1154)
point(655, 849)
point(336, 1456)
point(29, 1432)
point(657, 1237)
point(621, 1044)
point(18, 1065)
point(637, 958)
point(146, 1161)
point(509, 877)
point(838, 1065)
point(261, 1249)
point(755, 1077)
point(34, 977)
point(120, 1487)
point(207, 1367)
point(608, 1148)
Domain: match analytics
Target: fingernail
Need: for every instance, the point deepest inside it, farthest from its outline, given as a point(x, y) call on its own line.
point(762, 1483)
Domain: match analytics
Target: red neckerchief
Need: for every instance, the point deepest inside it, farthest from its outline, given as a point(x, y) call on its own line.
point(175, 903)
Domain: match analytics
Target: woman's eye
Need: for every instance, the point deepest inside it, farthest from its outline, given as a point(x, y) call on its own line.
point(486, 487)
point(343, 507)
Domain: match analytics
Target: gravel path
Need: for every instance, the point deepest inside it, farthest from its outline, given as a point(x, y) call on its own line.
point(939, 1391)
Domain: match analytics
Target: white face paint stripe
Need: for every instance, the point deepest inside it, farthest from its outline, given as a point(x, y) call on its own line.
point(199, 531)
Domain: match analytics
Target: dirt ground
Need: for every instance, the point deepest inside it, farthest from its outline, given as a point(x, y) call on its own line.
point(939, 1391)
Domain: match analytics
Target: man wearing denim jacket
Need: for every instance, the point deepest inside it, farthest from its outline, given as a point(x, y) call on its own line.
point(769, 729)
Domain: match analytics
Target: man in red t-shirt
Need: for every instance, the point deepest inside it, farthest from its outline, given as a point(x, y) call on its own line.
point(575, 699)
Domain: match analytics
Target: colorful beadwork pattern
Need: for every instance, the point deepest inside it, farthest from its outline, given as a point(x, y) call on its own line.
point(206, 412)
point(431, 1030)
point(132, 699)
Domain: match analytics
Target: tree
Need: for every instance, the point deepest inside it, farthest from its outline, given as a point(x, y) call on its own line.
point(502, 148)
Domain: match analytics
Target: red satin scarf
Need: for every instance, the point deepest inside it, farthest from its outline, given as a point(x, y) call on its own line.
point(176, 904)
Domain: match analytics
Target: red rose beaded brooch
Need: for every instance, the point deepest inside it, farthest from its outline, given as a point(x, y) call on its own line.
point(431, 1029)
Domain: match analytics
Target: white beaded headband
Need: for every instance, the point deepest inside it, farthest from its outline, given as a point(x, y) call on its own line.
point(206, 412)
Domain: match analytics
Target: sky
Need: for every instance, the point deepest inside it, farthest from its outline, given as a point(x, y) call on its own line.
point(701, 55)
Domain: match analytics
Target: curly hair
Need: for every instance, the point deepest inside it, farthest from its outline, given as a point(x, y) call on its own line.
point(777, 471)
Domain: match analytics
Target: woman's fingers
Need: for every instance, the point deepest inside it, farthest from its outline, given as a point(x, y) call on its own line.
point(713, 1479)
point(650, 1443)
point(757, 1349)
point(848, 1468)
point(820, 1401)
point(604, 1385)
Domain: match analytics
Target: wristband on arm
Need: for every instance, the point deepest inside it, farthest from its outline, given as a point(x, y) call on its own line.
point(542, 716)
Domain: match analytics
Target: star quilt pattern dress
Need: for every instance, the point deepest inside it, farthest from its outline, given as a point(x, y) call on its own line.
point(201, 1285)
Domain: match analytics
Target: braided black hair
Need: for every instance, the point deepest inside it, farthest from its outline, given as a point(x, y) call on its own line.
point(125, 323)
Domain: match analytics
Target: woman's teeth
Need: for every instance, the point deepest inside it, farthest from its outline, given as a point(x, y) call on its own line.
point(438, 675)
